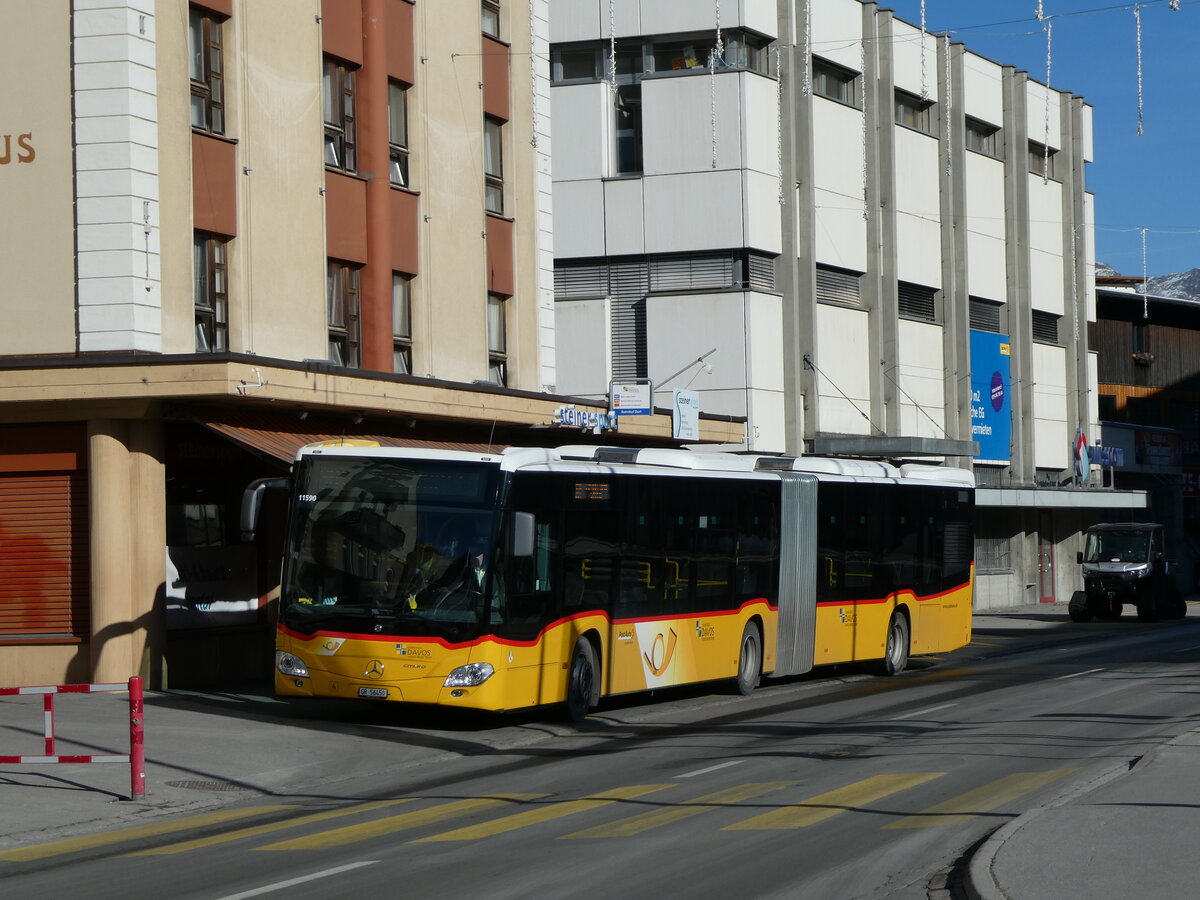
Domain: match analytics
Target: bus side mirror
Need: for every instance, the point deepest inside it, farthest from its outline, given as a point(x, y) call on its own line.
point(252, 500)
point(1079, 557)
point(522, 534)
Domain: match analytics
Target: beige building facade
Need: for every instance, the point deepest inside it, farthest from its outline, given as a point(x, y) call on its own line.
point(230, 228)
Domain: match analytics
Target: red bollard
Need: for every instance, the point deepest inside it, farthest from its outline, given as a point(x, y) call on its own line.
point(137, 749)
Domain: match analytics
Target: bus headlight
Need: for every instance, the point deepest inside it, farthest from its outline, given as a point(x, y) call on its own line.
point(290, 665)
point(470, 675)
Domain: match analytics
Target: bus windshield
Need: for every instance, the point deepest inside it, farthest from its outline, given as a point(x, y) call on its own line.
point(390, 546)
point(1131, 546)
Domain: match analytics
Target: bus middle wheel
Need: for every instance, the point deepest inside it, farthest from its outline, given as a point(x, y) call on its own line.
point(895, 654)
point(749, 660)
point(583, 689)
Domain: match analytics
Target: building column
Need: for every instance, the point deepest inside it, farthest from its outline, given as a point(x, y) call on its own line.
point(110, 530)
point(148, 503)
point(127, 528)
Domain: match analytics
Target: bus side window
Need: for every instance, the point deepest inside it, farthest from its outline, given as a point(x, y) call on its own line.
point(757, 550)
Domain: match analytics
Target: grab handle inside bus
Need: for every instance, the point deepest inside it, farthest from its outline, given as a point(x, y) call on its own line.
point(252, 502)
point(522, 534)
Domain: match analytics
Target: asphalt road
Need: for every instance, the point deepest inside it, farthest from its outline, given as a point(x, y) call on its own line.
point(836, 785)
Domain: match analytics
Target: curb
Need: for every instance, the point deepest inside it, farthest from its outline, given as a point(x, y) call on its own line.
point(980, 882)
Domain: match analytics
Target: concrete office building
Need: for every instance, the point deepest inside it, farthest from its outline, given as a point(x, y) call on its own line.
point(231, 227)
point(863, 238)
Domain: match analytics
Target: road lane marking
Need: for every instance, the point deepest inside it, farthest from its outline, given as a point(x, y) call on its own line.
point(255, 830)
point(544, 813)
point(981, 800)
point(1077, 674)
point(922, 712)
point(655, 818)
point(1186, 649)
point(303, 879)
point(825, 806)
point(724, 765)
point(351, 833)
point(73, 845)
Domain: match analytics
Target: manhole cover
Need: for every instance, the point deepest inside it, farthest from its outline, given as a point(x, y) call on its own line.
point(206, 785)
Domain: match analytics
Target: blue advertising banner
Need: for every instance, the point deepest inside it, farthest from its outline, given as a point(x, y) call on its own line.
point(991, 400)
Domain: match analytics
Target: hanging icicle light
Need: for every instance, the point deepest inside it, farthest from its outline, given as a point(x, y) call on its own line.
point(533, 98)
point(806, 83)
point(1137, 18)
point(1145, 278)
point(947, 107)
point(862, 68)
point(720, 41)
point(1049, 24)
point(779, 124)
point(712, 101)
point(924, 76)
point(612, 48)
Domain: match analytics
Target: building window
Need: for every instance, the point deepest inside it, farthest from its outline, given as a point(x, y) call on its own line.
point(985, 314)
point(341, 137)
point(493, 166)
point(1045, 327)
point(206, 68)
point(578, 63)
point(210, 292)
point(489, 19)
point(1039, 162)
point(838, 286)
point(984, 138)
point(834, 82)
point(916, 301)
point(1141, 338)
point(401, 323)
point(913, 112)
point(497, 340)
point(342, 296)
point(993, 555)
point(398, 134)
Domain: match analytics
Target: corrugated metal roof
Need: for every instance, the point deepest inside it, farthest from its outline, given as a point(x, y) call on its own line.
point(281, 434)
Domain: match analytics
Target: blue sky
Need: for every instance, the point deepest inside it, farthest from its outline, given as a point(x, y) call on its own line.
point(1147, 181)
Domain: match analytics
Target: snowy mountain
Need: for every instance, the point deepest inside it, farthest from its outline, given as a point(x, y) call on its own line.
point(1183, 285)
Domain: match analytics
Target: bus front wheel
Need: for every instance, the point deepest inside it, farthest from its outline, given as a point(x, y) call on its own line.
point(583, 690)
point(749, 660)
point(895, 655)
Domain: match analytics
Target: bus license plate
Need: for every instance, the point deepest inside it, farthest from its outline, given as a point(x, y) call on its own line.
point(373, 693)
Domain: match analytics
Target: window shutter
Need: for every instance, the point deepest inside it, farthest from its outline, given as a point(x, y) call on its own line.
point(917, 301)
point(44, 554)
point(837, 286)
point(985, 315)
point(1045, 327)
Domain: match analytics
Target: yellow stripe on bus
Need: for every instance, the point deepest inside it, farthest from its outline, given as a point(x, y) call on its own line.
point(73, 845)
point(351, 833)
point(981, 800)
point(545, 813)
point(825, 806)
point(653, 819)
point(255, 830)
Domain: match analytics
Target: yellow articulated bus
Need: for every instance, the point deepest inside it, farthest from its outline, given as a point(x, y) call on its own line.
point(560, 576)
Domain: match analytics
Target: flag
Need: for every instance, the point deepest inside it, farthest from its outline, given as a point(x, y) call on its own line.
point(1082, 463)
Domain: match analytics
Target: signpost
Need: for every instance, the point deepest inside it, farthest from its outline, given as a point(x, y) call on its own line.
point(685, 415)
point(631, 398)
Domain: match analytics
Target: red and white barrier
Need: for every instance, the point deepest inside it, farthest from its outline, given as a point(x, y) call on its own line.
point(136, 757)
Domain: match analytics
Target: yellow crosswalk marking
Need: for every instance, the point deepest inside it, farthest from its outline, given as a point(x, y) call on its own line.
point(255, 830)
point(824, 806)
point(545, 813)
point(653, 819)
point(361, 832)
point(983, 799)
point(171, 826)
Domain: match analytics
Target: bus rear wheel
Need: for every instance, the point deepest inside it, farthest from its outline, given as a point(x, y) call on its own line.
point(895, 654)
point(583, 690)
point(749, 660)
